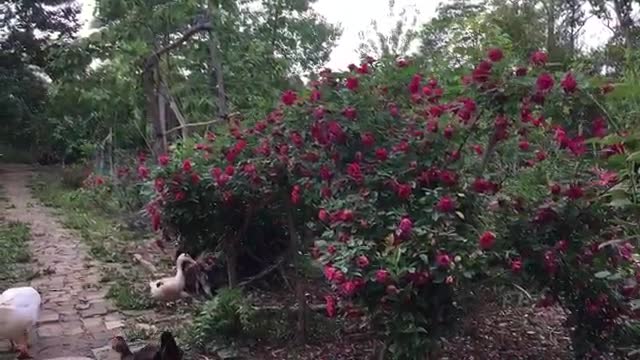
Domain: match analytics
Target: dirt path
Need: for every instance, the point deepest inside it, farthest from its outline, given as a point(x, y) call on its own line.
point(76, 318)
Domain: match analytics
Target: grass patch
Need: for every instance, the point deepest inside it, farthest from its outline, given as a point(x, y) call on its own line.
point(104, 234)
point(15, 253)
point(127, 296)
point(106, 238)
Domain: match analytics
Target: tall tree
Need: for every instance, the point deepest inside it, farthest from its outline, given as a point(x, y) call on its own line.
point(398, 41)
point(29, 31)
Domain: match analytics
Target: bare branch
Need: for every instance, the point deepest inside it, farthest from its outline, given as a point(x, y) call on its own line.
point(153, 59)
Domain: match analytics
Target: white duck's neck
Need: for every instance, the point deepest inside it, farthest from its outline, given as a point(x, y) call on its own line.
point(179, 272)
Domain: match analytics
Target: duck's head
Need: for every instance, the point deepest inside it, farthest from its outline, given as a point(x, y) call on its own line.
point(184, 257)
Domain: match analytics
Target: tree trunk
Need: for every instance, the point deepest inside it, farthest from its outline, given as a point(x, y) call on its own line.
point(550, 7)
point(151, 108)
point(231, 254)
point(623, 10)
point(215, 65)
point(294, 242)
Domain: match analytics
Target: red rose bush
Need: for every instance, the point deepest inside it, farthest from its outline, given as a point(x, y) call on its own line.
point(413, 184)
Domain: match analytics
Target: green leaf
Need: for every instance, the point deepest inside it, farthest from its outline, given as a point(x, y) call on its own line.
point(602, 274)
point(634, 157)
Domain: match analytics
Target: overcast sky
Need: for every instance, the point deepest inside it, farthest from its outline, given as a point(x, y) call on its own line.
point(356, 15)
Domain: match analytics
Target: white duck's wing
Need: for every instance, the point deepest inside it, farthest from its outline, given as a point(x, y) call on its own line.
point(24, 302)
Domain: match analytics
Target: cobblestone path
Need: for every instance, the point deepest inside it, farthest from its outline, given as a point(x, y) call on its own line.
point(75, 319)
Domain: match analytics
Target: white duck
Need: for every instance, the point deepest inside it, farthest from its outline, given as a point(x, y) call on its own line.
point(19, 311)
point(171, 288)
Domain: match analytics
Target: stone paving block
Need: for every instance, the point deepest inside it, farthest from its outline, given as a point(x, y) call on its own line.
point(48, 316)
point(49, 330)
point(95, 310)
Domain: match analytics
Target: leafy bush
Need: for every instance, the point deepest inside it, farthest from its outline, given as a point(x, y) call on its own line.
point(74, 176)
point(228, 315)
point(415, 187)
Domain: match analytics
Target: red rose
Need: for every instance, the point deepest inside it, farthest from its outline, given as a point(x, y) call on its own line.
point(521, 71)
point(482, 71)
point(186, 166)
point(345, 215)
point(599, 127)
point(195, 178)
point(574, 192)
point(289, 97)
point(448, 178)
point(555, 189)
point(222, 179)
point(352, 83)
point(349, 288)
point(350, 113)
point(353, 169)
point(523, 145)
point(487, 240)
point(323, 215)
point(329, 272)
point(331, 249)
point(495, 54)
point(163, 160)
point(297, 139)
point(448, 132)
point(478, 149)
point(325, 173)
point(481, 185)
point(143, 172)
point(382, 276)
point(516, 265)
point(159, 184)
point(405, 227)
point(446, 204)
point(382, 154)
point(432, 126)
point(315, 95)
point(569, 83)
point(367, 139)
point(392, 290)
point(541, 155)
point(362, 261)
point(393, 110)
point(403, 191)
point(545, 82)
point(539, 58)
point(180, 195)
point(318, 112)
point(443, 260)
point(414, 85)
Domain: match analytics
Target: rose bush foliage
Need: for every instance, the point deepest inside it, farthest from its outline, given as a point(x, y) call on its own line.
point(416, 184)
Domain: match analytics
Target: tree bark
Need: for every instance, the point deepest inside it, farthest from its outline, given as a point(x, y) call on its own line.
point(215, 65)
point(151, 109)
point(294, 242)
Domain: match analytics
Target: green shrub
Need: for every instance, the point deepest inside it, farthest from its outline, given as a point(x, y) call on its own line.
point(73, 176)
point(228, 315)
